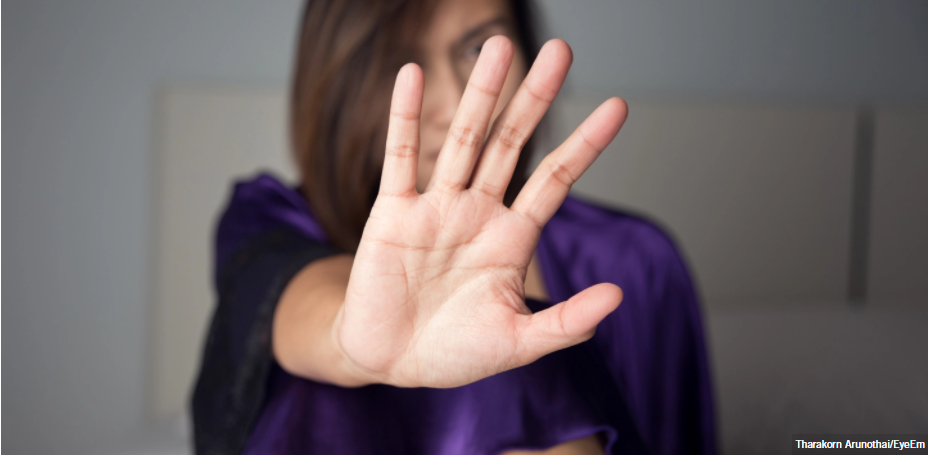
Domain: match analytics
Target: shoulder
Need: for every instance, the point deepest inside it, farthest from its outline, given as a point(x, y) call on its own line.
point(260, 196)
point(592, 222)
point(258, 205)
point(611, 240)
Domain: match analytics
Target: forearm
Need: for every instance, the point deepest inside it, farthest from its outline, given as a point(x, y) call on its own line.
point(304, 337)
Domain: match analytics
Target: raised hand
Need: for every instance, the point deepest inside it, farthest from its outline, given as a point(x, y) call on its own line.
point(436, 292)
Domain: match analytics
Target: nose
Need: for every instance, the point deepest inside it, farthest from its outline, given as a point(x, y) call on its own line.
point(443, 91)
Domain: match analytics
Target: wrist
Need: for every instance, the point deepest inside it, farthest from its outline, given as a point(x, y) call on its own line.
point(349, 373)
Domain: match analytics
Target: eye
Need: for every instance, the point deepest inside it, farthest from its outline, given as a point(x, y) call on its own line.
point(472, 52)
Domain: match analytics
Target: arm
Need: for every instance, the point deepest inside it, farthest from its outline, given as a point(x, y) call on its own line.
point(304, 342)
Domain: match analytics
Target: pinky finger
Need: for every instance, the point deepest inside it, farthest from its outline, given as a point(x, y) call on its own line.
point(402, 152)
point(548, 186)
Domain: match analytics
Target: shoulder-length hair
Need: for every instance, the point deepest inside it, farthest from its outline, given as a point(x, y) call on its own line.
point(348, 55)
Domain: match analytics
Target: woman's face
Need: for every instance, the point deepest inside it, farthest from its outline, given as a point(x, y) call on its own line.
point(450, 47)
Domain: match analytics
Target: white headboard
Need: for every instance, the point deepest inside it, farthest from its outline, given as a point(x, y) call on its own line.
point(758, 196)
point(208, 136)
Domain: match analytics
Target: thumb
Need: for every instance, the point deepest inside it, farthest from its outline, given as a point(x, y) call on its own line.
point(566, 324)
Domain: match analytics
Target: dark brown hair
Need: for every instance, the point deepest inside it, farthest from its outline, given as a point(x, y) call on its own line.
point(348, 54)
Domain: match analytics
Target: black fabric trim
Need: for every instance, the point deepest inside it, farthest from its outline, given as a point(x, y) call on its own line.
point(230, 388)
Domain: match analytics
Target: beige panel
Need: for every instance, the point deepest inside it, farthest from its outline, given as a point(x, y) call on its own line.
point(758, 196)
point(789, 369)
point(207, 138)
point(899, 211)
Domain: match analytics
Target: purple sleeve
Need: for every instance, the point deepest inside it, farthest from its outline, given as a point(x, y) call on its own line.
point(653, 344)
point(657, 347)
point(258, 205)
point(264, 237)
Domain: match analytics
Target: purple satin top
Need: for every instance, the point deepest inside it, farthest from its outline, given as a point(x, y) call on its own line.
point(642, 382)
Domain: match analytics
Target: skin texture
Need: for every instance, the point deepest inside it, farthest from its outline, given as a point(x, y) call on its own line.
point(450, 49)
point(451, 45)
point(435, 294)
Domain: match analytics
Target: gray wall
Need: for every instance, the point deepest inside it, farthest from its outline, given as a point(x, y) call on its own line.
point(795, 49)
point(81, 76)
point(79, 84)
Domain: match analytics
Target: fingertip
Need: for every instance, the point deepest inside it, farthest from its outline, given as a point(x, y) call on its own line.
point(549, 70)
point(612, 294)
point(409, 74)
point(404, 72)
point(493, 64)
point(408, 90)
point(594, 304)
point(499, 44)
point(559, 48)
point(604, 123)
point(617, 106)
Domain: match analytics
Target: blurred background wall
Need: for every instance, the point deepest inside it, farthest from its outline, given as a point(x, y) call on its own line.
point(80, 83)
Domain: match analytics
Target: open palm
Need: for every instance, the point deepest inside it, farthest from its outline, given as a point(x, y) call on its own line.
point(436, 293)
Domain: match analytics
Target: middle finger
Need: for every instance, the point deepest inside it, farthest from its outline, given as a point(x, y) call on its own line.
point(515, 125)
point(469, 126)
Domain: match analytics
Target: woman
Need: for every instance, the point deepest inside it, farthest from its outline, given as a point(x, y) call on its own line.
point(396, 302)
